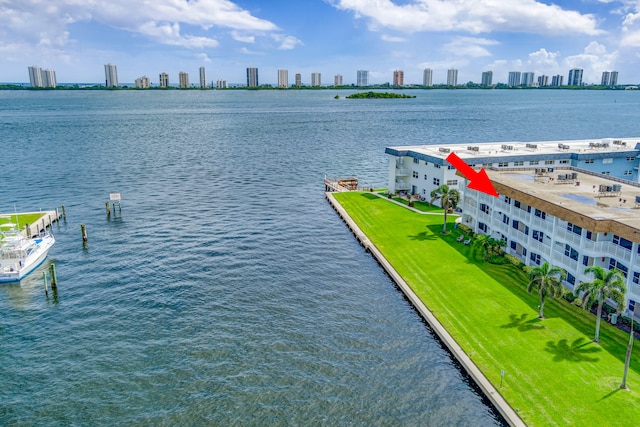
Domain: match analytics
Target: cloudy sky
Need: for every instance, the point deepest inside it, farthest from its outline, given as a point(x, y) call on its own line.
point(145, 37)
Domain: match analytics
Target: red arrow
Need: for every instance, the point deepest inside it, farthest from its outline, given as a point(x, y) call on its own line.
point(478, 181)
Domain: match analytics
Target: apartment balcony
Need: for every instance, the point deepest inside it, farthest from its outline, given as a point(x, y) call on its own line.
point(540, 248)
point(403, 172)
point(569, 237)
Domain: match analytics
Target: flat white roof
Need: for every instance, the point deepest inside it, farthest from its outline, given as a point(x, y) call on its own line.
point(516, 148)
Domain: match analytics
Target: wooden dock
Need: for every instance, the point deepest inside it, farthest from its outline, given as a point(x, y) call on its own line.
point(45, 219)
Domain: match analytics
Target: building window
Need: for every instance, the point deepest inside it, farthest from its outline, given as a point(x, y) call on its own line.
point(533, 163)
point(452, 182)
point(630, 159)
point(549, 162)
point(587, 260)
point(538, 235)
point(636, 278)
point(628, 173)
point(606, 173)
point(574, 228)
point(621, 241)
point(518, 163)
point(436, 166)
point(482, 227)
point(416, 161)
point(415, 174)
point(487, 165)
point(607, 160)
point(484, 208)
point(588, 161)
point(505, 219)
point(535, 258)
point(507, 200)
point(450, 167)
point(436, 181)
point(540, 214)
point(503, 164)
point(425, 176)
point(571, 279)
point(570, 252)
point(615, 264)
point(564, 162)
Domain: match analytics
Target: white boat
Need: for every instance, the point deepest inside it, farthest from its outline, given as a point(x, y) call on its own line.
point(20, 255)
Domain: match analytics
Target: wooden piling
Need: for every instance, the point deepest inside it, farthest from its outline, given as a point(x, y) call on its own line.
point(44, 279)
point(57, 216)
point(44, 226)
point(108, 209)
point(64, 212)
point(27, 229)
point(83, 228)
point(54, 278)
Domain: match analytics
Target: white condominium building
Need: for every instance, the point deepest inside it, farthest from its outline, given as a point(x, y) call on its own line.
point(283, 79)
point(183, 79)
point(110, 75)
point(203, 78)
point(570, 203)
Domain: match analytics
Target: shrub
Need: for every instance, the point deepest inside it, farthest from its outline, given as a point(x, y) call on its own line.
point(515, 261)
point(569, 296)
point(497, 259)
point(464, 228)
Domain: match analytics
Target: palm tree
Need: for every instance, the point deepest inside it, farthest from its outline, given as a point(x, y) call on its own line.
point(606, 284)
point(449, 199)
point(484, 242)
point(548, 280)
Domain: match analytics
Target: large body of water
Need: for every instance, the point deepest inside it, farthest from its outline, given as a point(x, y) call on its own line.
point(228, 292)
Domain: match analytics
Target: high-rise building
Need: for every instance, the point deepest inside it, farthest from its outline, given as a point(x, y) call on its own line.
point(527, 79)
point(252, 77)
point(110, 75)
point(221, 84)
point(398, 78)
point(362, 78)
point(487, 78)
point(543, 80)
point(575, 77)
point(315, 79)
point(164, 80)
point(515, 78)
point(143, 82)
point(203, 78)
point(298, 79)
point(613, 79)
point(605, 78)
point(49, 78)
point(427, 77)
point(283, 79)
point(183, 79)
point(452, 77)
point(337, 80)
point(35, 76)
point(557, 80)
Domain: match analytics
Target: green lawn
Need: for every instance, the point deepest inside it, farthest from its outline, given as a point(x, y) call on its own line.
point(554, 373)
point(22, 219)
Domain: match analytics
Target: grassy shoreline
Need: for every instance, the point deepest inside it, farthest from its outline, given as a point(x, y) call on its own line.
point(554, 374)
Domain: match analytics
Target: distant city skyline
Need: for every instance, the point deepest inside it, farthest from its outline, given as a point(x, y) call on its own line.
point(326, 36)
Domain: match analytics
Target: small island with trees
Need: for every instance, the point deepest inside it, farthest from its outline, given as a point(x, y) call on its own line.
point(378, 95)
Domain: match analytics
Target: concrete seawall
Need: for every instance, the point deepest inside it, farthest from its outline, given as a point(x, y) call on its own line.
point(472, 370)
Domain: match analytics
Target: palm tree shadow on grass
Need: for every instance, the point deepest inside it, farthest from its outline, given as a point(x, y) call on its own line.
point(425, 235)
point(573, 352)
point(522, 324)
point(370, 196)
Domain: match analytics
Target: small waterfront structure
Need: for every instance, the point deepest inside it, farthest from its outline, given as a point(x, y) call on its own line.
point(20, 255)
point(570, 203)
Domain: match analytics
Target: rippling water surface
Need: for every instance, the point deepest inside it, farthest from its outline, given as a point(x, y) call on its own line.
point(227, 292)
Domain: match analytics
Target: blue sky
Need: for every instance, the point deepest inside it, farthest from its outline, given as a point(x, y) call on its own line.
point(145, 37)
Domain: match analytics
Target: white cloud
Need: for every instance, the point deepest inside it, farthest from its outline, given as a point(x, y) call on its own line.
point(593, 60)
point(203, 57)
point(392, 39)
point(286, 42)
point(472, 16)
point(164, 21)
point(543, 59)
point(237, 36)
point(469, 47)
